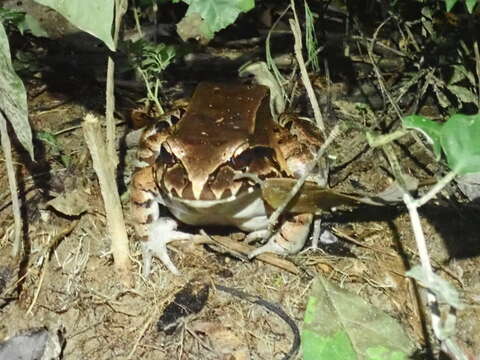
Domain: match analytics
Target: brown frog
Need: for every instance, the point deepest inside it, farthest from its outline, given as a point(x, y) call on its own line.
point(195, 169)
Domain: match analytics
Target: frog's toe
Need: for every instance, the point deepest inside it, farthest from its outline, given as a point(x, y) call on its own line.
point(163, 231)
point(271, 247)
point(255, 236)
point(158, 249)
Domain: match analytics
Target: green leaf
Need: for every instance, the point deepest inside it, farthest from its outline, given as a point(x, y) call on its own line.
point(333, 347)
point(341, 326)
point(471, 5)
point(11, 16)
point(216, 14)
point(13, 99)
point(48, 138)
point(460, 139)
point(92, 16)
point(450, 4)
point(443, 290)
point(65, 160)
point(430, 129)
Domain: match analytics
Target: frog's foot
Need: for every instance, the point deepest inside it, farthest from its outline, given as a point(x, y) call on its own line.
point(290, 239)
point(161, 232)
point(256, 236)
point(321, 236)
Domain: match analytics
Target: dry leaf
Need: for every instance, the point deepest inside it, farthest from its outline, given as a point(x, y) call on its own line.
point(73, 203)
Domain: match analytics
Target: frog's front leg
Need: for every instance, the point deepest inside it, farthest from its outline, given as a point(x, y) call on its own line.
point(289, 239)
point(155, 231)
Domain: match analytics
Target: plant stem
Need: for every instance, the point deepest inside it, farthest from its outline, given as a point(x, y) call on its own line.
point(424, 257)
point(297, 34)
point(380, 140)
point(120, 9)
point(12, 182)
point(137, 19)
point(435, 189)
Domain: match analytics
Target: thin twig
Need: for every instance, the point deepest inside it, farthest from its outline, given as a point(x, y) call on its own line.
point(142, 332)
point(240, 250)
point(477, 70)
point(268, 54)
point(377, 71)
point(12, 183)
point(297, 34)
point(120, 9)
point(39, 287)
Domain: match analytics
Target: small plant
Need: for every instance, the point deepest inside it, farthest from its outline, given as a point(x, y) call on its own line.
point(50, 140)
point(457, 139)
point(311, 41)
point(150, 60)
point(11, 16)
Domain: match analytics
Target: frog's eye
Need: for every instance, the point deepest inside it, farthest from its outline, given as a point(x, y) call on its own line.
point(250, 158)
point(240, 149)
point(166, 157)
point(242, 159)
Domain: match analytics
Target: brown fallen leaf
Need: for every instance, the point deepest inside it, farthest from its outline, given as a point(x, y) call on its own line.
point(73, 203)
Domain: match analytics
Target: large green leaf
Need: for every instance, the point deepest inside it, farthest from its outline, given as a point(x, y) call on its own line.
point(92, 16)
point(216, 14)
point(341, 326)
point(459, 138)
point(460, 141)
point(13, 98)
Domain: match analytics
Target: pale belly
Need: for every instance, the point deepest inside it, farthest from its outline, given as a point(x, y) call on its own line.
point(246, 211)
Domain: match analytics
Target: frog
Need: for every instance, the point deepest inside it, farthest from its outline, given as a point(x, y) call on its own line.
point(200, 171)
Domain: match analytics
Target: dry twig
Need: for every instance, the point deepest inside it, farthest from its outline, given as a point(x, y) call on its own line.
point(12, 182)
point(120, 9)
point(244, 249)
point(105, 170)
point(297, 33)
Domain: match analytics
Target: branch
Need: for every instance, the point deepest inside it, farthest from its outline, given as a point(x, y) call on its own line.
point(120, 9)
point(105, 170)
point(12, 183)
point(297, 34)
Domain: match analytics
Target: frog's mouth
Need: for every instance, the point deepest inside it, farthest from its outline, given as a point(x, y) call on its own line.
point(245, 211)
